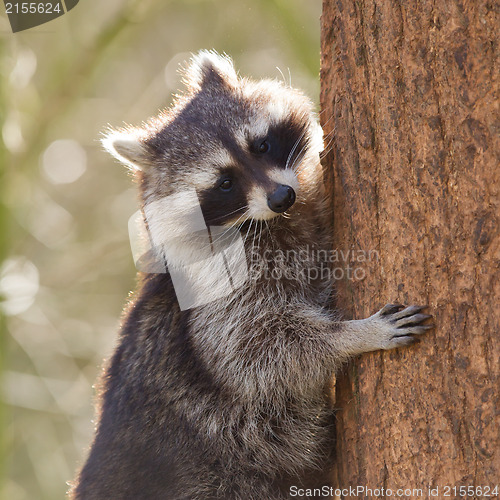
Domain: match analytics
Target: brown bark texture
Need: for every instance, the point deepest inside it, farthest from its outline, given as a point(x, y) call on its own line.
point(410, 111)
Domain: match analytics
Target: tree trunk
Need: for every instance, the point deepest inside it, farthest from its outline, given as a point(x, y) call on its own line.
point(410, 105)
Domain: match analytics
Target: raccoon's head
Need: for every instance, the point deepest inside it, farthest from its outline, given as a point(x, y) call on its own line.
point(247, 148)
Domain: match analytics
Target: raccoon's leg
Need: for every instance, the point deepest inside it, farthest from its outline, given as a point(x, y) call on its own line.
point(393, 326)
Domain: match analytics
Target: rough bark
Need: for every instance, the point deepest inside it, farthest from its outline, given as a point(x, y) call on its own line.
point(410, 103)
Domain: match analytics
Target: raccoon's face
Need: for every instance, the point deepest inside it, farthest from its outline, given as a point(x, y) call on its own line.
point(247, 149)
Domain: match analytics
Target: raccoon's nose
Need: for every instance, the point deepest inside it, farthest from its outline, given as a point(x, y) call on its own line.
point(282, 199)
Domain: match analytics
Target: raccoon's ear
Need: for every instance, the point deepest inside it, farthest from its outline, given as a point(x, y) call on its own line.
point(209, 69)
point(126, 146)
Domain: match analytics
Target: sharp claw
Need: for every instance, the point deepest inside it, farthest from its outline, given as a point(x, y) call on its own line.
point(408, 311)
point(412, 320)
point(417, 330)
point(404, 340)
point(390, 309)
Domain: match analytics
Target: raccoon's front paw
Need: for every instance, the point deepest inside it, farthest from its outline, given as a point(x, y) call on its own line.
point(402, 325)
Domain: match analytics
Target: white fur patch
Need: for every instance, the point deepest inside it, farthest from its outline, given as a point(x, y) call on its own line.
point(257, 205)
point(177, 229)
point(174, 216)
point(257, 129)
point(204, 264)
point(125, 146)
point(208, 169)
point(316, 143)
point(206, 59)
point(204, 177)
point(221, 158)
point(286, 177)
point(278, 111)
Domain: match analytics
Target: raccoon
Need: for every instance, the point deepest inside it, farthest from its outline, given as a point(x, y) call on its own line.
point(228, 396)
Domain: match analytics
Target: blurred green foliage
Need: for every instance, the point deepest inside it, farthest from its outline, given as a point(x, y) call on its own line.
point(64, 205)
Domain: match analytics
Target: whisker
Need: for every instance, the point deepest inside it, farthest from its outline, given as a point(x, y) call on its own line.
point(248, 230)
point(328, 147)
point(296, 164)
point(282, 75)
point(246, 235)
point(260, 235)
point(270, 234)
point(222, 235)
point(297, 142)
point(230, 213)
point(254, 235)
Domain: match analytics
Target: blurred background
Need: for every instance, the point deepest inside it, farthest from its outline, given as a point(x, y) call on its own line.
point(65, 262)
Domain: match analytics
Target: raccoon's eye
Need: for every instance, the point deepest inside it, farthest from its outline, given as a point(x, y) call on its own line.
point(261, 146)
point(226, 185)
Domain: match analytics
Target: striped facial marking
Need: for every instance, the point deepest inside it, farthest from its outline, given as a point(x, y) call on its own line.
point(261, 179)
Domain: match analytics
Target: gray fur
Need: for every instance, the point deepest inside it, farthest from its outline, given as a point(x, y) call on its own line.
point(240, 408)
